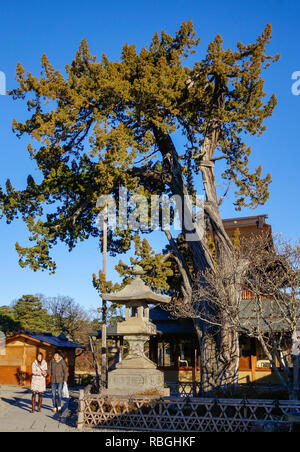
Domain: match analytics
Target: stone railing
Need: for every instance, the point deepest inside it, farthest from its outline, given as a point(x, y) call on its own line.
point(184, 414)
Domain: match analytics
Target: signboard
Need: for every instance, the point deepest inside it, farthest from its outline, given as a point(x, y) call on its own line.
point(2, 343)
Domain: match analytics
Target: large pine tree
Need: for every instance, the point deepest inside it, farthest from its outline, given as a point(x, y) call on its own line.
point(104, 124)
point(31, 315)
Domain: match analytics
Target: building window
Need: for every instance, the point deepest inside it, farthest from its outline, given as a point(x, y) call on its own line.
point(176, 353)
point(187, 353)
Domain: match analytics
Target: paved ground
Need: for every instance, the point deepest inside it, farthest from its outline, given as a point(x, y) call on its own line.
point(16, 416)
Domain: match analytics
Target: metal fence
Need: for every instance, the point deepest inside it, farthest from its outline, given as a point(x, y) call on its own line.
point(179, 414)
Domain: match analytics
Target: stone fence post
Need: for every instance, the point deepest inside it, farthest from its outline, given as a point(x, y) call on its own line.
point(81, 406)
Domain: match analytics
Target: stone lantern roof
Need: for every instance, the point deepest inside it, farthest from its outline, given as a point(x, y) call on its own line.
point(136, 291)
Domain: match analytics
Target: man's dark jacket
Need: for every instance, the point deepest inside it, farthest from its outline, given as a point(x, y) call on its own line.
point(58, 371)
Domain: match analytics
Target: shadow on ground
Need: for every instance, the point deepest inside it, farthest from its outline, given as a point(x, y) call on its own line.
point(25, 403)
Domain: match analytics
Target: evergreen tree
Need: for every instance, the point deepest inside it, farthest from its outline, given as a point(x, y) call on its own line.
point(31, 314)
point(107, 124)
point(8, 323)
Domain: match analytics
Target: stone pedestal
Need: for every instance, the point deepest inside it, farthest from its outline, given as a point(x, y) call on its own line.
point(135, 382)
point(136, 374)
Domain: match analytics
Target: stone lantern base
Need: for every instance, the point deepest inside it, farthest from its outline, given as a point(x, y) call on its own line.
point(136, 374)
point(135, 382)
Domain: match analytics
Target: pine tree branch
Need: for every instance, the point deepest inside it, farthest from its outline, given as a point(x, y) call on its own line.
point(182, 267)
point(147, 173)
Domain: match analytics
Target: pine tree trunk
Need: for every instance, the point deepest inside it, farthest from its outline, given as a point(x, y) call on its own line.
point(228, 356)
point(219, 350)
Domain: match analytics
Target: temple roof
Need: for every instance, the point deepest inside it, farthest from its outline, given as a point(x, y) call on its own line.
point(253, 226)
point(257, 221)
point(166, 323)
point(48, 338)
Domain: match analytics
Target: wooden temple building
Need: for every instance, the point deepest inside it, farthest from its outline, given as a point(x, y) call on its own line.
point(176, 351)
point(20, 351)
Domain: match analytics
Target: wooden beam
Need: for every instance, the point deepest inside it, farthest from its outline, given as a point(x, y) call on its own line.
point(253, 367)
point(23, 367)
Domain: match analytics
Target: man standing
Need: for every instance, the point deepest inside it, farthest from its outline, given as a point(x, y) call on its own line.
point(59, 376)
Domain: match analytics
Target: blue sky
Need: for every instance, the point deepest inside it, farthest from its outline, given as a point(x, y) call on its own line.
point(31, 28)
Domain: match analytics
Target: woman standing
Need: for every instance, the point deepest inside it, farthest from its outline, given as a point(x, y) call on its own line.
point(59, 376)
point(38, 382)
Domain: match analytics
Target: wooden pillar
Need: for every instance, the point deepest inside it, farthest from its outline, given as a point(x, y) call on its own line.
point(253, 361)
point(104, 309)
point(295, 376)
point(253, 366)
point(194, 371)
point(23, 367)
point(194, 368)
point(71, 366)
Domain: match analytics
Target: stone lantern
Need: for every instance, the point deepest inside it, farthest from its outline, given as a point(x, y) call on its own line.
point(136, 374)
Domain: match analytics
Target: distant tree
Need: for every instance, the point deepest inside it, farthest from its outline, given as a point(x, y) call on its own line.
point(31, 315)
point(115, 313)
point(8, 323)
point(66, 315)
point(76, 323)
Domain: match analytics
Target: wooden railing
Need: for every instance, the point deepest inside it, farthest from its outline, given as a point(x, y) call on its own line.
point(176, 414)
point(248, 295)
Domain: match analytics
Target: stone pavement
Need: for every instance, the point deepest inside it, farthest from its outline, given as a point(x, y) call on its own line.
point(16, 416)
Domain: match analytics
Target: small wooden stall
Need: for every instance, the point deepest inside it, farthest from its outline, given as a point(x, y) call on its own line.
point(21, 351)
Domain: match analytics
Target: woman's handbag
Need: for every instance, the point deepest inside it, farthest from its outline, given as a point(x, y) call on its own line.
point(65, 391)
